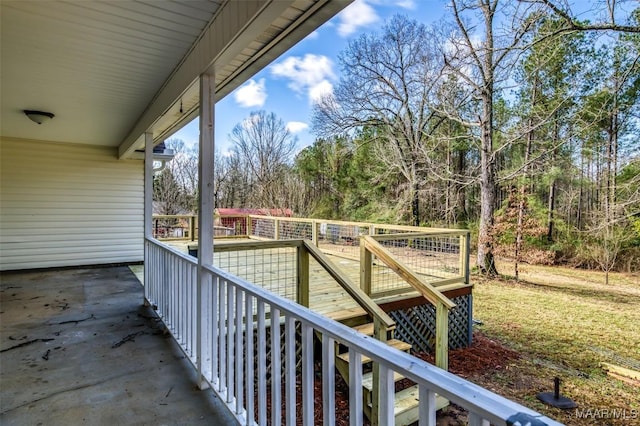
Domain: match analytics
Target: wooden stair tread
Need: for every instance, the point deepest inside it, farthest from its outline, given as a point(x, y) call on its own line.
point(345, 314)
point(406, 406)
point(394, 343)
point(365, 329)
point(408, 398)
point(367, 380)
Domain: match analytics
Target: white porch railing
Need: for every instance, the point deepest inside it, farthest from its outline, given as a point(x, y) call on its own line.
point(248, 365)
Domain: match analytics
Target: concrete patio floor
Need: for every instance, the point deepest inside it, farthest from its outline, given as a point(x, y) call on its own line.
point(78, 347)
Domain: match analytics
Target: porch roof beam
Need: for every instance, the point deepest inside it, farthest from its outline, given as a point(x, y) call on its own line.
point(236, 26)
point(221, 41)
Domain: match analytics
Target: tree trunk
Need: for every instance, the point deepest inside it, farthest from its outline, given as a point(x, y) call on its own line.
point(551, 206)
point(449, 207)
point(415, 209)
point(521, 207)
point(486, 261)
point(581, 194)
point(461, 209)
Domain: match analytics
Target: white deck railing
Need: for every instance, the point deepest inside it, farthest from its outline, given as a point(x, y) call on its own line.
point(246, 364)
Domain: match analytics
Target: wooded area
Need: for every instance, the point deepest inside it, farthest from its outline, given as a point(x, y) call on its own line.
point(514, 119)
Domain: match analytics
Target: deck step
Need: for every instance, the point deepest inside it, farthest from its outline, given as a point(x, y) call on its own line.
point(406, 408)
point(394, 343)
point(344, 315)
point(365, 329)
point(367, 380)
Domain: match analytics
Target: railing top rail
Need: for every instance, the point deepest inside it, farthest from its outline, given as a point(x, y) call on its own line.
point(354, 291)
point(420, 229)
point(170, 249)
point(411, 228)
point(243, 215)
point(253, 244)
point(497, 409)
point(282, 218)
point(431, 293)
point(403, 235)
point(352, 223)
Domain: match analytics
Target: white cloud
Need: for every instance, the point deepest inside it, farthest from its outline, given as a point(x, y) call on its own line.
point(406, 4)
point(320, 90)
point(296, 126)
point(357, 14)
point(251, 94)
point(403, 4)
point(310, 75)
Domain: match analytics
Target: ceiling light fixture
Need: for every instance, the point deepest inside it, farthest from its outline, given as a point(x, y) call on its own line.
point(38, 116)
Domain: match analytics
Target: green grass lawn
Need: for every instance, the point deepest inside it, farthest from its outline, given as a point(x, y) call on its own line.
point(564, 322)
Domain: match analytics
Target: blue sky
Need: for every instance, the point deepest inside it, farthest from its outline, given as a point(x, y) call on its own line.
point(289, 85)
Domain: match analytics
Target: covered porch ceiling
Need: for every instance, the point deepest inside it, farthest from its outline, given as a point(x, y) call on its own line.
point(112, 70)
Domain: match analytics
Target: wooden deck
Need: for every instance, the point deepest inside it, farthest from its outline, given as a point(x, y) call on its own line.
point(326, 296)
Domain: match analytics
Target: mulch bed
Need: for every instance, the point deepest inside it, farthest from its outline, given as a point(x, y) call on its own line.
point(484, 354)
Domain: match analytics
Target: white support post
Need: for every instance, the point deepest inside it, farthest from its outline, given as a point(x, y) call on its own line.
point(290, 370)
point(249, 359)
point(148, 210)
point(355, 388)
point(386, 414)
point(428, 407)
point(307, 376)
point(205, 221)
point(276, 368)
point(476, 420)
point(328, 381)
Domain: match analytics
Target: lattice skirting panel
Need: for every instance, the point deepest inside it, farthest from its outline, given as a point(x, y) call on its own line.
point(417, 325)
point(298, 343)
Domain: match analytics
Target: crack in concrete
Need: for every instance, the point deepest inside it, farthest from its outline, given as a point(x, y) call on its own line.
point(29, 342)
point(61, 392)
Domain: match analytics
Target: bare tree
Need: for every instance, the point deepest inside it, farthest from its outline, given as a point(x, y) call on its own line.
point(265, 147)
point(480, 54)
point(606, 244)
point(168, 196)
point(184, 168)
point(387, 80)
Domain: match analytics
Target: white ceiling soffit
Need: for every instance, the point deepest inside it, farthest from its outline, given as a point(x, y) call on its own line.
point(243, 38)
point(112, 70)
point(94, 64)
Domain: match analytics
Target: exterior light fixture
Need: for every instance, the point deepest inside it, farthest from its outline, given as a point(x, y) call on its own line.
point(38, 116)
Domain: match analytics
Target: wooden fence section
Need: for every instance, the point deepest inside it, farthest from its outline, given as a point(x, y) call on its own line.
point(286, 271)
point(440, 256)
point(394, 260)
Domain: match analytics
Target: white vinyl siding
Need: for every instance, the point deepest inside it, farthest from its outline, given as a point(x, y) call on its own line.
point(68, 205)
